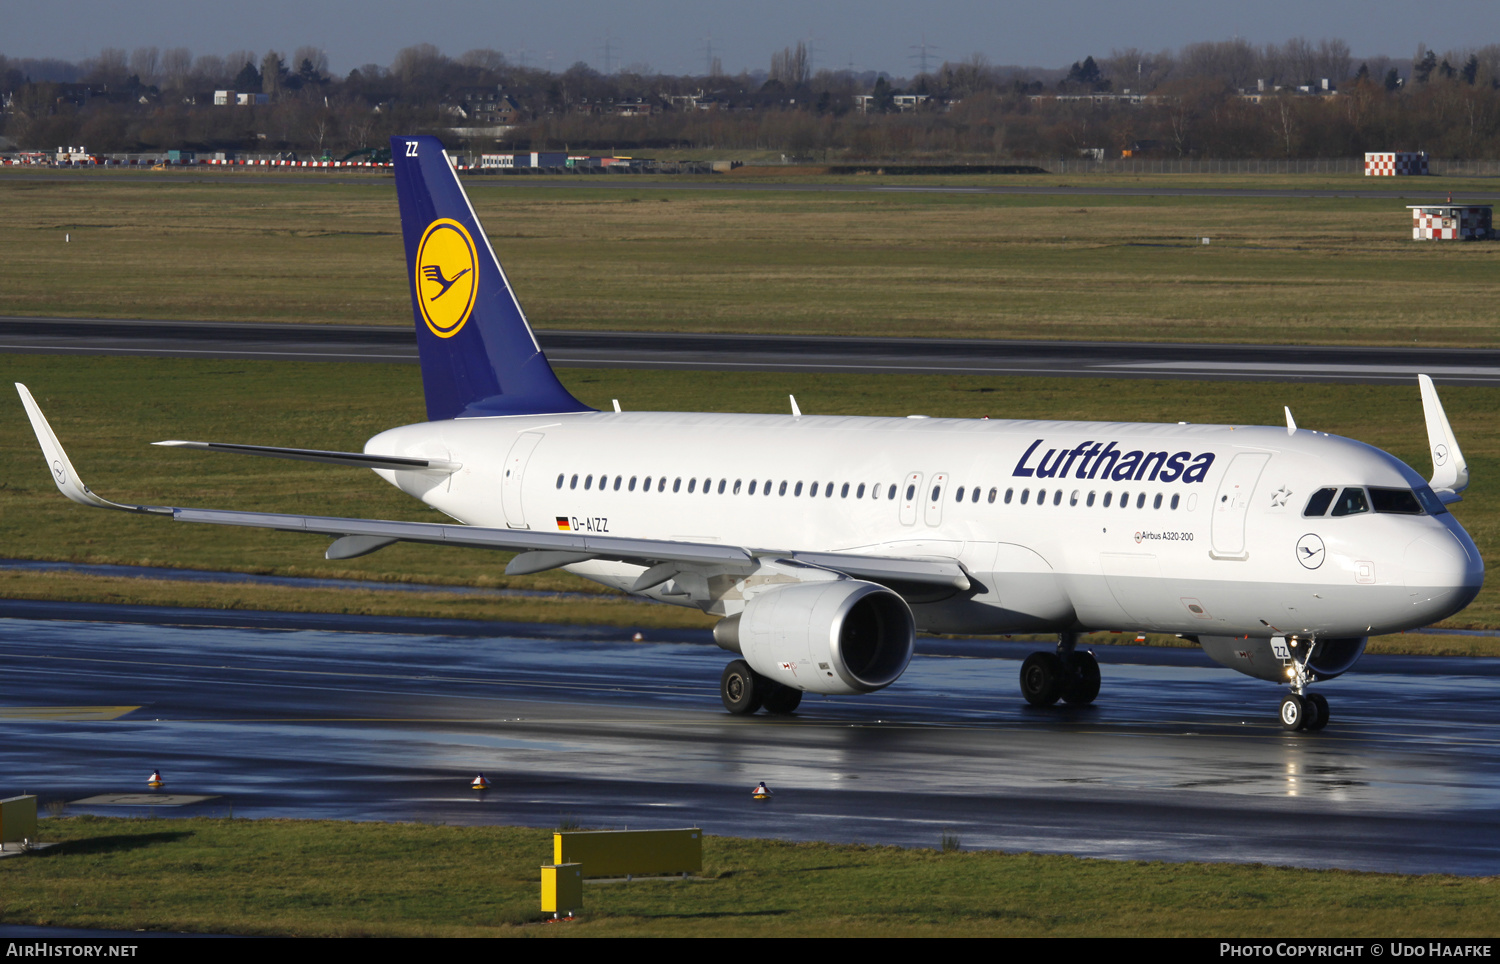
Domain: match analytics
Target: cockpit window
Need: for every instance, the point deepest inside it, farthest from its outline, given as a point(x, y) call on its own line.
point(1430, 500)
point(1350, 502)
point(1399, 501)
point(1318, 504)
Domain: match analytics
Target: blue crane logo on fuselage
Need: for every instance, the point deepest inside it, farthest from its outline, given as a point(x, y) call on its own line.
point(447, 277)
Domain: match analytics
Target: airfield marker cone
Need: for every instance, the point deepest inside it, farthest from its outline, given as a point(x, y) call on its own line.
point(155, 781)
point(480, 783)
point(761, 791)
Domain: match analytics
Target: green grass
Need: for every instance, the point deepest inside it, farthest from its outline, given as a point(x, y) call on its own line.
point(265, 248)
point(305, 878)
point(106, 410)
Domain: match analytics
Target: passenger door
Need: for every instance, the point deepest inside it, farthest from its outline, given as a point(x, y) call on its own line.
point(515, 473)
point(1232, 503)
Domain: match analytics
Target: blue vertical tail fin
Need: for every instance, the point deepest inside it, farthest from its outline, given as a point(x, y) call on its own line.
point(478, 354)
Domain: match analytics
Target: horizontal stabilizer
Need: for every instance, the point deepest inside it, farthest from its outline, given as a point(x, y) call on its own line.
point(357, 459)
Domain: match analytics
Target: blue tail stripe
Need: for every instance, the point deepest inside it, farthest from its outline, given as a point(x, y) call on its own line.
point(478, 354)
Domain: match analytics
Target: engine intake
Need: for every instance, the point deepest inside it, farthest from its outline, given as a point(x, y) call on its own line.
point(839, 637)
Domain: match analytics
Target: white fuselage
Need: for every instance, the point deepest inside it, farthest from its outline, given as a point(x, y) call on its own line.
point(1063, 525)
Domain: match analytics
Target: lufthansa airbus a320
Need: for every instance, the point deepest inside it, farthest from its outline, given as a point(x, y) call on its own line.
point(824, 544)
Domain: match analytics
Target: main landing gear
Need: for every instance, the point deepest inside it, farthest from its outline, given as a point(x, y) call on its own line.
point(1070, 675)
point(744, 691)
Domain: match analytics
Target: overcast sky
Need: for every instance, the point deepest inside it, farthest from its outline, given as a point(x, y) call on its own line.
point(672, 35)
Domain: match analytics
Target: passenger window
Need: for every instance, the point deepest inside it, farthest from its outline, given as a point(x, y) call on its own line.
point(1090, 501)
point(1156, 502)
point(1041, 497)
point(646, 486)
point(782, 490)
point(723, 482)
point(618, 480)
point(676, 485)
point(859, 493)
point(1399, 501)
point(692, 486)
point(1351, 502)
point(911, 490)
point(891, 492)
point(587, 483)
point(1140, 501)
point(1174, 501)
point(960, 497)
point(828, 491)
point(560, 479)
point(752, 486)
point(1107, 497)
point(737, 486)
point(1057, 497)
point(1025, 496)
point(993, 493)
point(1073, 498)
point(632, 483)
point(1319, 502)
point(1124, 500)
point(1008, 494)
point(844, 492)
point(798, 490)
point(574, 484)
point(975, 497)
point(661, 485)
point(767, 487)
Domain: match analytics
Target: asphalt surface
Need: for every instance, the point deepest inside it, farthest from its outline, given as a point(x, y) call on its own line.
point(722, 352)
point(320, 717)
point(1418, 190)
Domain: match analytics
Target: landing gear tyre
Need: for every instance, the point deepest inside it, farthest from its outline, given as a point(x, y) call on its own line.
point(741, 688)
point(781, 700)
point(1317, 701)
point(1042, 678)
point(1082, 684)
point(1295, 712)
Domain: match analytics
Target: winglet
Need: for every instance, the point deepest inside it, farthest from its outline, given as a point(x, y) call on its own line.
point(1450, 473)
point(63, 473)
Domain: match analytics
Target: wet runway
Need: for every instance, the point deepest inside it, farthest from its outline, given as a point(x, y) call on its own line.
point(1179, 760)
point(738, 352)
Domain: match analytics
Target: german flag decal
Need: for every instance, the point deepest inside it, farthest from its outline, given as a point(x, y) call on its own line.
point(562, 524)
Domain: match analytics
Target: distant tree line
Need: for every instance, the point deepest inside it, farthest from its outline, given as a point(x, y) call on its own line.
point(1225, 99)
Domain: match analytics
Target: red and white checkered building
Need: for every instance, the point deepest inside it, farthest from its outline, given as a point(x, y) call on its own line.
point(1395, 163)
point(1451, 222)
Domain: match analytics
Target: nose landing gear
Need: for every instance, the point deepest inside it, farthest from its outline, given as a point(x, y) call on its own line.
point(1070, 675)
point(1301, 710)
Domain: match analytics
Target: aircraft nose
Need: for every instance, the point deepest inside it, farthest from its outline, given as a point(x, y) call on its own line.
point(1444, 571)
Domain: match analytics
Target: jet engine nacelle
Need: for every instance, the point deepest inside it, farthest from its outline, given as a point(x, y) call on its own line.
point(1331, 656)
point(839, 637)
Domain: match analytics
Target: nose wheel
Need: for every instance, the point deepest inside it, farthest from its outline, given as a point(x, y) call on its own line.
point(1307, 712)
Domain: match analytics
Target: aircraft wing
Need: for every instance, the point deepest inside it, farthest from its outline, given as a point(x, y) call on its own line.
point(538, 550)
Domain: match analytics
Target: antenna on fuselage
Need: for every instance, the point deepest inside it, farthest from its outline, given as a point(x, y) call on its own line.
point(617, 403)
point(1291, 423)
point(796, 412)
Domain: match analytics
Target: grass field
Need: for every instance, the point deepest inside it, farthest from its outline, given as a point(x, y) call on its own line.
point(303, 878)
point(288, 248)
point(106, 410)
